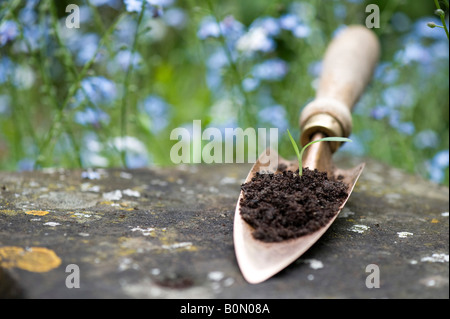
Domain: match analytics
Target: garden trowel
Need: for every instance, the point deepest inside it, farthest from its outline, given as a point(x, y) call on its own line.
point(347, 68)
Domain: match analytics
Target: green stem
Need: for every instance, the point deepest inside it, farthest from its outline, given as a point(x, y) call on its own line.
point(26, 115)
point(55, 127)
point(97, 19)
point(300, 153)
point(10, 7)
point(16, 132)
point(126, 84)
point(436, 2)
point(247, 105)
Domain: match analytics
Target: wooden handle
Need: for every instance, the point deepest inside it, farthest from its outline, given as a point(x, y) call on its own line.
point(347, 68)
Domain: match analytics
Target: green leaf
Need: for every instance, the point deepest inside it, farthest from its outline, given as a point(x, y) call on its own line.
point(300, 154)
point(294, 144)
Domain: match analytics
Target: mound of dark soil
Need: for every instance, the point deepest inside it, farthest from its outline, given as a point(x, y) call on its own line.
point(285, 205)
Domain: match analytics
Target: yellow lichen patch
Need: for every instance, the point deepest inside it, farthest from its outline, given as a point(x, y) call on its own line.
point(171, 179)
point(8, 212)
point(434, 221)
point(34, 259)
point(106, 202)
point(37, 212)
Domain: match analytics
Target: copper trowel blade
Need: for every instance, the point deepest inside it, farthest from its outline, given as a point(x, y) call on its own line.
point(258, 260)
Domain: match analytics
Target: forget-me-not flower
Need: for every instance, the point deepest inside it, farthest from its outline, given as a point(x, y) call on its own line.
point(8, 31)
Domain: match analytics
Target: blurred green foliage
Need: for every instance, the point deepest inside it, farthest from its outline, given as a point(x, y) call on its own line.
point(110, 92)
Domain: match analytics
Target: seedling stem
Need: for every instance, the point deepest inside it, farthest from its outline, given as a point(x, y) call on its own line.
point(300, 153)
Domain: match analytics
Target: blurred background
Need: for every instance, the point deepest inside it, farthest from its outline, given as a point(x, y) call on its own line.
point(108, 93)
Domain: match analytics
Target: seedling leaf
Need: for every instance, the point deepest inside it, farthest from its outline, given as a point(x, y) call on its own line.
point(300, 153)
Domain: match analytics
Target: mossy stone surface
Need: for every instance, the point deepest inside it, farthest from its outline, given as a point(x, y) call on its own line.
point(167, 233)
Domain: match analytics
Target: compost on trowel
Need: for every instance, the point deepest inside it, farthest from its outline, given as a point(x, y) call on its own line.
point(285, 205)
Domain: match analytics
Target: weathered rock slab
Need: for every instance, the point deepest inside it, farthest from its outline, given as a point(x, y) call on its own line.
point(167, 233)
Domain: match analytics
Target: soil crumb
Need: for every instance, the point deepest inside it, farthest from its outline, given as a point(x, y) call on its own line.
point(285, 205)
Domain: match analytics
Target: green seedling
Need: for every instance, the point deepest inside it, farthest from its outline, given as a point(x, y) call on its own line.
point(300, 153)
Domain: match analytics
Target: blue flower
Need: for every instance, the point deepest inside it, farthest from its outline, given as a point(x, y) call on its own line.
point(154, 5)
point(275, 115)
point(230, 28)
point(162, 3)
point(413, 52)
point(215, 63)
point(6, 69)
point(8, 32)
point(111, 3)
point(19, 75)
point(401, 22)
point(217, 60)
point(175, 17)
point(271, 70)
point(136, 151)
point(441, 159)
point(208, 28)
point(256, 39)
point(122, 33)
point(435, 174)
point(406, 128)
point(84, 46)
point(269, 24)
point(134, 160)
point(250, 84)
point(439, 50)
point(289, 21)
point(301, 31)
point(399, 96)
point(87, 48)
point(124, 58)
point(28, 16)
point(356, 147)
point(158, 111)
point(380, 112)
point(386, 73)
point(25, 164)
point(92, 116)
point(91, 155)
point(33, 37)
point(315, 68)
point(96, 90)
point(426, 139)
point(340, 11)
point(100, 89)
point(133, 5)
point(213, 79)
point(437, 165)
point(4, 104)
